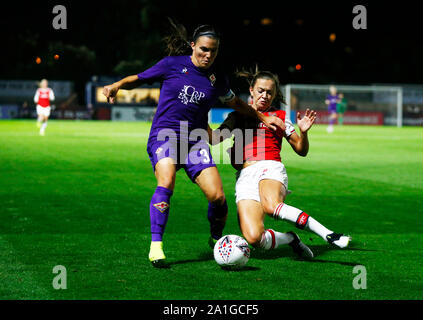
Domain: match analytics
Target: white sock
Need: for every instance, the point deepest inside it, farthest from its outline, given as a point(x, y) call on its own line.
point(271, 239)
point(319, 229)
point(43, 127)
point(301, 219)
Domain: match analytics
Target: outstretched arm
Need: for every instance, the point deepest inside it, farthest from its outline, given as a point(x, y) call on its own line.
point(242, 107)
point(126, 83)
point(299, 143)
point(155, 73)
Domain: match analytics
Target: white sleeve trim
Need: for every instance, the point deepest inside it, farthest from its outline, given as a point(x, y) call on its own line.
point(289, 127)
point(51, 96)
point(36, 97)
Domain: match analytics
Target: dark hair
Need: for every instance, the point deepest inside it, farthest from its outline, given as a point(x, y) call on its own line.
point(253, 76)
point(205, 30)
point(177, 42)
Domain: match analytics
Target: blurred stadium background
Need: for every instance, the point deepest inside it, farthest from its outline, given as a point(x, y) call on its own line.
point(304, 43)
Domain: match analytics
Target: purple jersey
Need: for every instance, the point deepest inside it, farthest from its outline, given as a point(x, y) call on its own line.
point(332, 102)
point(187, 93)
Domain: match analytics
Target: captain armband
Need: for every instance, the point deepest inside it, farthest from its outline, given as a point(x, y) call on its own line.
point(227, 97)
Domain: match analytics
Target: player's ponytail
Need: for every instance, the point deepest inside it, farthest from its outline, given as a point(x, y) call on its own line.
point(177, 43)
point(253, 75)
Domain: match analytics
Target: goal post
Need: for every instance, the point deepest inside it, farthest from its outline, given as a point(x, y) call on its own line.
point(364, 103)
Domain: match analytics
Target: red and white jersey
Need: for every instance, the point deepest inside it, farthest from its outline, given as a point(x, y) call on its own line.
point(266, 143)
point(43, 97)
point(260, 142)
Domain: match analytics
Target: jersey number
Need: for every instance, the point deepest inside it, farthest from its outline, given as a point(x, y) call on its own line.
point(205, 154)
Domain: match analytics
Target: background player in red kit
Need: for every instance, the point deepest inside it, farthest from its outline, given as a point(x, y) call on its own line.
point(262, 181)
point(43, 97)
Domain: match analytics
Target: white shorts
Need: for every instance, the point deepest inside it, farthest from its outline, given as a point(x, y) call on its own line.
point(43, 111)
point(247, 182)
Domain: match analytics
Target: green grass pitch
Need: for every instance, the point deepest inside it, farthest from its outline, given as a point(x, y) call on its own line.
point(79, 197)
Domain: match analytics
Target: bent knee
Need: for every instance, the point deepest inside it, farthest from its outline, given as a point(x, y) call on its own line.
point(253, 238)
point(166, 182)
point(217, 197)
point(269, 206)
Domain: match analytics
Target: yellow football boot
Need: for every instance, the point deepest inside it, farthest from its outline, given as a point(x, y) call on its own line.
point(156, 255)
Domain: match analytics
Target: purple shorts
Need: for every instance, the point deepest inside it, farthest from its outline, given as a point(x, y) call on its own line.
point(332, 109)
point(193, 157)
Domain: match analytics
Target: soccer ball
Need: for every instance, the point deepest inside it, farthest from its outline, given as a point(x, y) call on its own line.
point(231, 252)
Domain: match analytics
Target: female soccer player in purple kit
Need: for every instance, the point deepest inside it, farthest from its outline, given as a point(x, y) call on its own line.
point(332, 100)
point(190, 86)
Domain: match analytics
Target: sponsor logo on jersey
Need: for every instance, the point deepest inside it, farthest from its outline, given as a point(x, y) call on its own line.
point(184, 70)
point(44, 94)
point(189, 94)
point(159, 150)
point(161, 206)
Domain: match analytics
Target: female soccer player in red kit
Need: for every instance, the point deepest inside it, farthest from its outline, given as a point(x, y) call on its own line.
point(43, 97)
point(262, 181)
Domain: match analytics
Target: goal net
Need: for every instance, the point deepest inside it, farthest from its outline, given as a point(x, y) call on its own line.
point(367, 105)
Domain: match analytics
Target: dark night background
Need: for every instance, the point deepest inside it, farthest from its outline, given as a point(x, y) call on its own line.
point(124, 37)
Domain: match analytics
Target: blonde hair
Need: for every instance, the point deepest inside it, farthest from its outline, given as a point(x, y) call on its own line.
point(42, 80)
